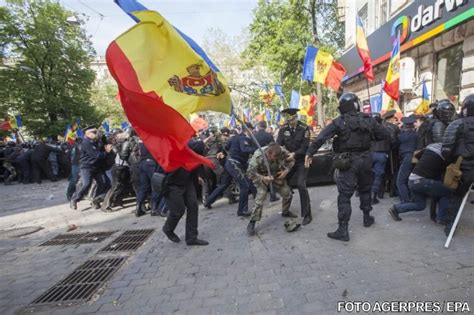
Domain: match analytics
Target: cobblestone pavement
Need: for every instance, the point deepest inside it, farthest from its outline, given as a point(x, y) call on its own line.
point(272, 273)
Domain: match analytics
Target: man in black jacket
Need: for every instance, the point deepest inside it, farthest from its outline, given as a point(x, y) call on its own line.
point(180, 196)
point(39, 159)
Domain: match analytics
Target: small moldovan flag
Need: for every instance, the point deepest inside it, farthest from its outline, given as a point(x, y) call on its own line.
point(319, 66)
point(363, 50)
point(424, 106)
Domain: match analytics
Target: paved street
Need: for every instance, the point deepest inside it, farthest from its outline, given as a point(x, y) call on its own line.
point(273, 273)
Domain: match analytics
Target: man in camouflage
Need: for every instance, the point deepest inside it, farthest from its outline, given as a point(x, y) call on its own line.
point(281, 162)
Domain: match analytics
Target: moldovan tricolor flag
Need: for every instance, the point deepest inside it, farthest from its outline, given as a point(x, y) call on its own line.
point(392, 81)
point(319, 66)
point(363, 49)
point(163, 76)
point(424, 106)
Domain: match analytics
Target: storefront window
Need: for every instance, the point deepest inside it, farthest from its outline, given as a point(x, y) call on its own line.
point(448, 73)
point(363, 14)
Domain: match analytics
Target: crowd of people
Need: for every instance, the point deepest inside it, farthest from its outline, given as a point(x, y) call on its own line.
point(31, 162)
point(374, 155)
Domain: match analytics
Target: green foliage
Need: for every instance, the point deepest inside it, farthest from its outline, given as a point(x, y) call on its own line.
point(105, 101)
point(245, 84)
point(45, 67)
point(280, 32)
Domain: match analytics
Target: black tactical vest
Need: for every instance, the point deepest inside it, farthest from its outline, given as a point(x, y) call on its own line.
point(465, 143)
point(355, 133)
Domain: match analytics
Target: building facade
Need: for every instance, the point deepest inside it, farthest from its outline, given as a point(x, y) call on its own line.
point(102, 73)
point(437, 46)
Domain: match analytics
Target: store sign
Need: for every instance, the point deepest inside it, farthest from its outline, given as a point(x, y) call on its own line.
point(425, 15)
point(420, 21)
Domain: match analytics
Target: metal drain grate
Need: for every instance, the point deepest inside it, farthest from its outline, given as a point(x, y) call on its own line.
point(78, 238)
point(95, 237)
point(128, 241)
point(82, 283)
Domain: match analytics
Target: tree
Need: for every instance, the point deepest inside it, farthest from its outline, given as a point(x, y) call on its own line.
point(104, 99)
point(280, 32)
point(45, 67)
point(245, 84)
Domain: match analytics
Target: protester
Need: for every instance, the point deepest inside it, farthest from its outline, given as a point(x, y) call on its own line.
point(280, 163)
point(180, 197)
point(425, 182)
point(408, 139)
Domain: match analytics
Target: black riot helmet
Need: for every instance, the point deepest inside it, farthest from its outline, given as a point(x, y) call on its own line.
point(467, 109)
point(445, 111)
point(377, 117)
point(348, 102)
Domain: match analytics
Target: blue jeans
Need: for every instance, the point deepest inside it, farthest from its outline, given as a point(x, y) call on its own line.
point(422, 189)
point(402, 179)
point(379, 159)
point(236, 171)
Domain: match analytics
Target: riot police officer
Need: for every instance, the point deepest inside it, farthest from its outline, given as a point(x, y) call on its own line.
point(90, 166)
point(459, 141)
point(442, 117)
point(352, 132)
point(294, 136)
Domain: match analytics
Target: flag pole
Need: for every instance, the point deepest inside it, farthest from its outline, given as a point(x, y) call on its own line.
point(265, 160)
point(368, 90)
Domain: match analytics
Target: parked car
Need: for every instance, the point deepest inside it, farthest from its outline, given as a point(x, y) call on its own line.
point(322, 170)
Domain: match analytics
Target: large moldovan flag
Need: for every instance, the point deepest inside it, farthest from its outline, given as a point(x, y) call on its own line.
point(163, 76)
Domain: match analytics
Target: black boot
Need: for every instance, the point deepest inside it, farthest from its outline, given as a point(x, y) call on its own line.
point(307, 219)
point(251, 228)
point(368, 219)
point(374, 199)
point(140, 210)
point(341, 234)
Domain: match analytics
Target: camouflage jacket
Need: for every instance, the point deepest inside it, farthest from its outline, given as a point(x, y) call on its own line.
point(257, 169)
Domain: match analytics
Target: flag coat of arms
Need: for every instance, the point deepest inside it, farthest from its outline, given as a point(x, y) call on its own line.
point(392, 80)
point(319, 66)
point(163, 77)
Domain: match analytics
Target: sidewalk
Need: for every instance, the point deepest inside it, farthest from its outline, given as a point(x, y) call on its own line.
point(272, 273)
